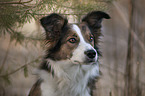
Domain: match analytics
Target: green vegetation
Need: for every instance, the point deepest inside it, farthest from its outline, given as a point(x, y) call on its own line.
point(15, 13)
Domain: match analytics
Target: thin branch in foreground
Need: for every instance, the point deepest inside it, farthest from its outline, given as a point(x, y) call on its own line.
point(16, 2)
point(10, 73)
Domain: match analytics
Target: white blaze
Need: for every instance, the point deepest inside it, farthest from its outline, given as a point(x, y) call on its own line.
point(78, 54)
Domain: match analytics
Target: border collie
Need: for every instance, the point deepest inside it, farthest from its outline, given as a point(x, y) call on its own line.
point(70, 66)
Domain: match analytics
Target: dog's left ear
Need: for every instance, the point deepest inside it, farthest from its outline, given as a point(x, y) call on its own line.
point(94, 20)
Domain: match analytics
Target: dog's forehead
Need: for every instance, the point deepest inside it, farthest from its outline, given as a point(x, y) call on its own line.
point(78, 31)
point(81, 30)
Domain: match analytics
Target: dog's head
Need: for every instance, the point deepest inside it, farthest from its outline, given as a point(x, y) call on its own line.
point(78, 43)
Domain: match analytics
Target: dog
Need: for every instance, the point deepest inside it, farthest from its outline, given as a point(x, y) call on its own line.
point(70, 65)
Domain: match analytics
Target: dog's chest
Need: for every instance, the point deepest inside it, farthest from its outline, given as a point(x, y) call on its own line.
point(65, 88)
point(75, 85)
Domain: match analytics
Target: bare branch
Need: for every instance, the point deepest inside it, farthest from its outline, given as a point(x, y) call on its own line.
point(16, 2)
point(10, 73)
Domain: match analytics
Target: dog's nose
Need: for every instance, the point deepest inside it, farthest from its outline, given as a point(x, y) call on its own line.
point(90, 53)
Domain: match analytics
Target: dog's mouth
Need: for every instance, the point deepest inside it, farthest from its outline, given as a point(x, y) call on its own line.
point(87, 62)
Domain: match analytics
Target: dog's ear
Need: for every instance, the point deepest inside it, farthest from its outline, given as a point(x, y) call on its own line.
point(94, 20)
point(53, 25)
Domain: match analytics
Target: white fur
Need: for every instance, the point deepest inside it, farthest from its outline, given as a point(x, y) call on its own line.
point(78, 54)
point(70, 79)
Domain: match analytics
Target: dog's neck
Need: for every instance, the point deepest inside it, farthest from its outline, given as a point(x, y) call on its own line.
point(68, 69)
point(69, 78)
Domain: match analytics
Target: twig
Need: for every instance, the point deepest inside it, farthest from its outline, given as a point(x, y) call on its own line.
point(60, 13)
point(10, 73)
point(106, 1)
point(16, 2)
point(35, 5)
point(33, 38)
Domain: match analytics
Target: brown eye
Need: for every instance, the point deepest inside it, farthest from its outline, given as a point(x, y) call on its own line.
point(72, 40)
point(91, 38)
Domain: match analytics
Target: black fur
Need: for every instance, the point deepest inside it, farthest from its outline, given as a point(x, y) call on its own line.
point(94, 20)
point(36, 90)
point(53, 25)
point(56, 26)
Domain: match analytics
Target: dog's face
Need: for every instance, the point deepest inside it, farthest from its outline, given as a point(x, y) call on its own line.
point(77, 43)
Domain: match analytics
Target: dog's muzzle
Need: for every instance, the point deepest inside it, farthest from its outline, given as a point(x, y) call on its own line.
point(90, 54)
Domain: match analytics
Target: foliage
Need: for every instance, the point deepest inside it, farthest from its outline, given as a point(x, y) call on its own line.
point(15, 13)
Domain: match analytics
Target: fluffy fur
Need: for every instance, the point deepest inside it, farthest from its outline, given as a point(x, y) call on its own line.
point(70, 66)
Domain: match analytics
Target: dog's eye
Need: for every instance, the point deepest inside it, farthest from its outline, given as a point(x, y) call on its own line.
point(91, 38)
point(72, 40)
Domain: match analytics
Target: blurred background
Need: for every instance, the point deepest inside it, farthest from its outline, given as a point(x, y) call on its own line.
point(122, 65)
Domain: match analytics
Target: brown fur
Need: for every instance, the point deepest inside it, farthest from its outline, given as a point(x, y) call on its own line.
point(35, 90)
point(58, 33)
point(86, 33)
point(66, 48)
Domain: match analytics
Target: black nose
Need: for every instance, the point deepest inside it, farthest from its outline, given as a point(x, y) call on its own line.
point(90, 53)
